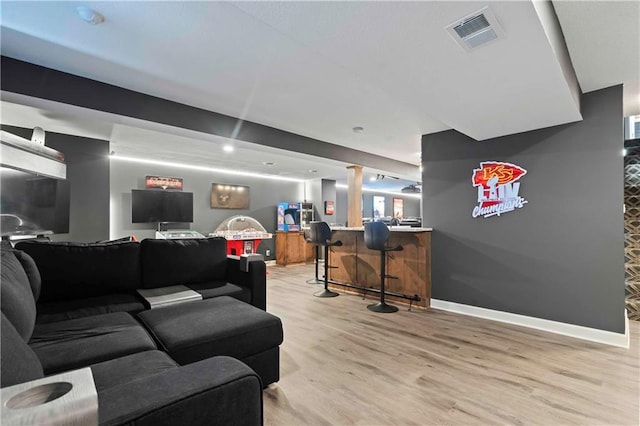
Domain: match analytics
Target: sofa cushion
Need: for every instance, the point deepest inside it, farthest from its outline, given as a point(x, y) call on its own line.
point(30, 268)
point(221, 288)
point(78, 308)
point(193, 331)
point(77, 343)
point(175, 262)
point(79, 270)
point(129, 368)
point(16, 297)
point(19, 363)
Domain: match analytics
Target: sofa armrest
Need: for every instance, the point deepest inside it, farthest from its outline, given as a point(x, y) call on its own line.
point(219, 390)
point(68, 398)
point(255, 280)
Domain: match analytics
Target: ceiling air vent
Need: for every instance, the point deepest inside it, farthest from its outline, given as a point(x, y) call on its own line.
point(476, 29)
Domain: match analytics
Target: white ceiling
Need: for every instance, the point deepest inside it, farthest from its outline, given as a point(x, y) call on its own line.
point(320, 68)
point(603, 38)
point(132, 138)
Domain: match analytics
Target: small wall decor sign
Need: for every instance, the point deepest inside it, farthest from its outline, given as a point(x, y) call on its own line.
point(498, 188)
point(378, 206)
point(225, 196)
point(163, 182)
point(329, 207)
point(398, 208)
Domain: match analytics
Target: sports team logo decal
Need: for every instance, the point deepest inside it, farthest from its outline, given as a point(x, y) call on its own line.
point(497, 188)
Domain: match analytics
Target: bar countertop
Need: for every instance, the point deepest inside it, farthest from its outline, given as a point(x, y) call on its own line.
point(391, 228)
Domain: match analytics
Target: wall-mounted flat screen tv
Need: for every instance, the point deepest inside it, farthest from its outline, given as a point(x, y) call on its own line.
point(32, 204)
point(161, 206)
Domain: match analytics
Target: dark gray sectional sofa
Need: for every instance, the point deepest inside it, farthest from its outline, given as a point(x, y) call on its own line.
point(67, 306)
point(81, 279)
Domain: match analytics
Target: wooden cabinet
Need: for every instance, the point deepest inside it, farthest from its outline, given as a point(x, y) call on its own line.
point(291, 248)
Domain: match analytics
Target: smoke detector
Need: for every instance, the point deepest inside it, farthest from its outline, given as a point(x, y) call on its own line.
point(89, 16)
point(476, 29)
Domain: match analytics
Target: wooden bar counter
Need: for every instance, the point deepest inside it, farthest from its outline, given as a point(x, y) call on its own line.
point(292, 248)
point(356, 264)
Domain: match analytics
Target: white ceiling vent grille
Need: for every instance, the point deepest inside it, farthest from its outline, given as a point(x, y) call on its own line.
point(476, 29)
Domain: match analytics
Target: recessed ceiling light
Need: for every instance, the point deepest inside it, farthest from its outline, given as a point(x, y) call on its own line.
point(89, 16)
point(372, 179)
point(228, 148)
point(358, 129)
point(313, 171)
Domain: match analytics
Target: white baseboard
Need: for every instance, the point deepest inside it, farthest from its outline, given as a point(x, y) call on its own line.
point(580, 332)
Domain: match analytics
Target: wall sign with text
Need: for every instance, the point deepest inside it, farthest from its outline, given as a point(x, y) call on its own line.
point(163, 182)
point(498, 188)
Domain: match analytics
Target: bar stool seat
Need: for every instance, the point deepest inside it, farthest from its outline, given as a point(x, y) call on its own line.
point(376, 235)
point(320, 235)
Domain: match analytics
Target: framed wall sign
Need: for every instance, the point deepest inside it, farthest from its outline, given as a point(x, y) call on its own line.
point(329, 207)
point(163, 182)
point(225, 196)
point(398, 208)
point(378, 206)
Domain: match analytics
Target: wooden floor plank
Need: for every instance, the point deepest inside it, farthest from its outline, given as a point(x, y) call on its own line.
point(344, 365)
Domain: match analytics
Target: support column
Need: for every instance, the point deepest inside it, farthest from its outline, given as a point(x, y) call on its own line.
point(354, 196)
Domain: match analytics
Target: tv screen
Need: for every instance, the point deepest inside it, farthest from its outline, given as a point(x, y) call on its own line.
point(161, 206)
point(32, 204)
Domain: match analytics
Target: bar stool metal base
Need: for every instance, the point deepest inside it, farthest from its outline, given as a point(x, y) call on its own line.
point(326, 293)
point(382, 307)
point(315, 279)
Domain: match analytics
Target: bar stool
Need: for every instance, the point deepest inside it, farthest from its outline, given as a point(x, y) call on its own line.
point(307, 238)
point(321, 236)
point(376, 235)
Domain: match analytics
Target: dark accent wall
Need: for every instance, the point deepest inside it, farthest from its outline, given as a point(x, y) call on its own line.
point(88, 176)
point(264, 194)
point(40, 82)
point(560, 257)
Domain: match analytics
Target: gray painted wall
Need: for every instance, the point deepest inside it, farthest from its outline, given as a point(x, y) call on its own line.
point(328, 194)
point(88, 177)
point(561, 257)
point(341, 206)
point(314, 191)
point(264, 195)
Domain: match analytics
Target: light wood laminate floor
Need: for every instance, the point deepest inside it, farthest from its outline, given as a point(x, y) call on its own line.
point(342, 364)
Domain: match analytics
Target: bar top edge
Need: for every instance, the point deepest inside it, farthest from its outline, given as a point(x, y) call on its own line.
point(392, 229)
